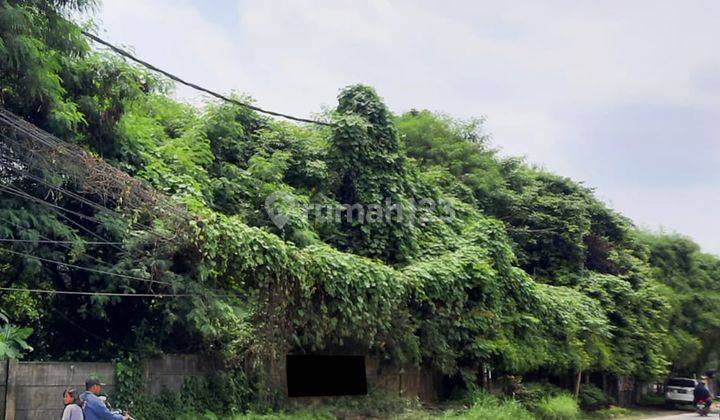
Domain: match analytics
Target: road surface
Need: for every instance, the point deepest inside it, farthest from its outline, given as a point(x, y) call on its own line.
point(686, 415)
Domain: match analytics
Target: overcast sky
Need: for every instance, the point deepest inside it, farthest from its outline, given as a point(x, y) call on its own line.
point(623, 96)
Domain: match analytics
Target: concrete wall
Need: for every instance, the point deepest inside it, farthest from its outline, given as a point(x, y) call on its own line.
point(3, 388)
point(34, 389)
point(169, 372)
point(408, 381)
point(37, 387)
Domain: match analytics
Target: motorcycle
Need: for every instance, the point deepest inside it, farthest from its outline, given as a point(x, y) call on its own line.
point(703, 407)
point(114, 410)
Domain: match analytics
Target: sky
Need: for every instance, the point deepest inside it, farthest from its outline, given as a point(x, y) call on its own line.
point(623, 96)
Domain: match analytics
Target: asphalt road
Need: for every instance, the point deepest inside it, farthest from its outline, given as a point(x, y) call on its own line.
point(687, 415)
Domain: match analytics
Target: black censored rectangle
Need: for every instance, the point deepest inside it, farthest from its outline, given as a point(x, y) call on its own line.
point(325, 375)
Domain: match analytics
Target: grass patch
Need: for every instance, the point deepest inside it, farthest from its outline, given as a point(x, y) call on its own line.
point(560, 407)
point(592, 398)
point(652, 400)
point(294, 415)
point(613, 413)
point(377, 404)
point(486, 406)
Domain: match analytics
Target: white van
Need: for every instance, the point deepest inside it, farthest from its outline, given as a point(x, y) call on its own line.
point(679, 390)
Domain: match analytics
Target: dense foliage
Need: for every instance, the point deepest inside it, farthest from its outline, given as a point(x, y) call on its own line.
point(493, 264)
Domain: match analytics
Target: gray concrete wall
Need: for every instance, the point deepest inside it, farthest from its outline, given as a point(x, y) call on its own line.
point(35, 388)
point(408, 381)
point(168, 373)
point(3, 380)
point(38, 386)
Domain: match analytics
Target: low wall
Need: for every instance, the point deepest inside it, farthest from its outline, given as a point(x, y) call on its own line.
point(169, 372)
point(34, 389)
point(3, 388)
point(408, 381)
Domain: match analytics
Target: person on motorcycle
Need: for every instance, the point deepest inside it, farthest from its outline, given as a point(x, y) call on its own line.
point(73, 405)
point(701, 394)
point(95, 408)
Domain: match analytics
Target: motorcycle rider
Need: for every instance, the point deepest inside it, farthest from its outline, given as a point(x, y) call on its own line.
point(702, 394)
point(95, 408)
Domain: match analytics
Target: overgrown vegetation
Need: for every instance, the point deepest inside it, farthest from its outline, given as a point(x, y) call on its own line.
point(560, 407)
point(497, 264)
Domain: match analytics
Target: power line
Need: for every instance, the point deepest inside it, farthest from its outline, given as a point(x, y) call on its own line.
point(78, 197)
point(102, 241)
point(81, 293)
point(23, 194)
point(64, 245)
point(119, 184)
point(20, 125)
point(92, 270)
point(55, 208)
point(50, 241)
point(214, 292)
point(197, 87)
point(92, 334)
point(86, 230)
point(33, 132)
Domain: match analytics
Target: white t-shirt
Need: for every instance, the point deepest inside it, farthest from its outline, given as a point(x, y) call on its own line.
point(72, 412)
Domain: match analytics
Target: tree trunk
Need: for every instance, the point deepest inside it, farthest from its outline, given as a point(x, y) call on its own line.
point(578, 379)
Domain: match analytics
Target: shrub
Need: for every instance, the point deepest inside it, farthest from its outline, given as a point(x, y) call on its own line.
point(592, 398)
point(532, 393)
point(377, 404)
point(197, 395)
point(488, 407)
point(611, 413)
point(560, 407)
point(652, 400)
point(290, 415)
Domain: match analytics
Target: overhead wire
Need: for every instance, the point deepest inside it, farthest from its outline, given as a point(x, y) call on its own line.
point(92, 270)
point(96, 336)
point(177, 79)
point(56, 209)
point(50, 241)
point(212, 291)
point(22, 194)
point(66, 246)
point(25, 195)
point(25, 128)
point(22, 127)
point(102, 240)
point(84, 293)
point(84, 200)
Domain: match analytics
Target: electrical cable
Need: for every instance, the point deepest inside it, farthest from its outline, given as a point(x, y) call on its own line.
point(197, 87)
point(55, 208)
point(92, 270)
point(50, 241)
point(83, 293)
point(93, 204)
point(20, 126)
point(66, 246)
point(92, 334)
